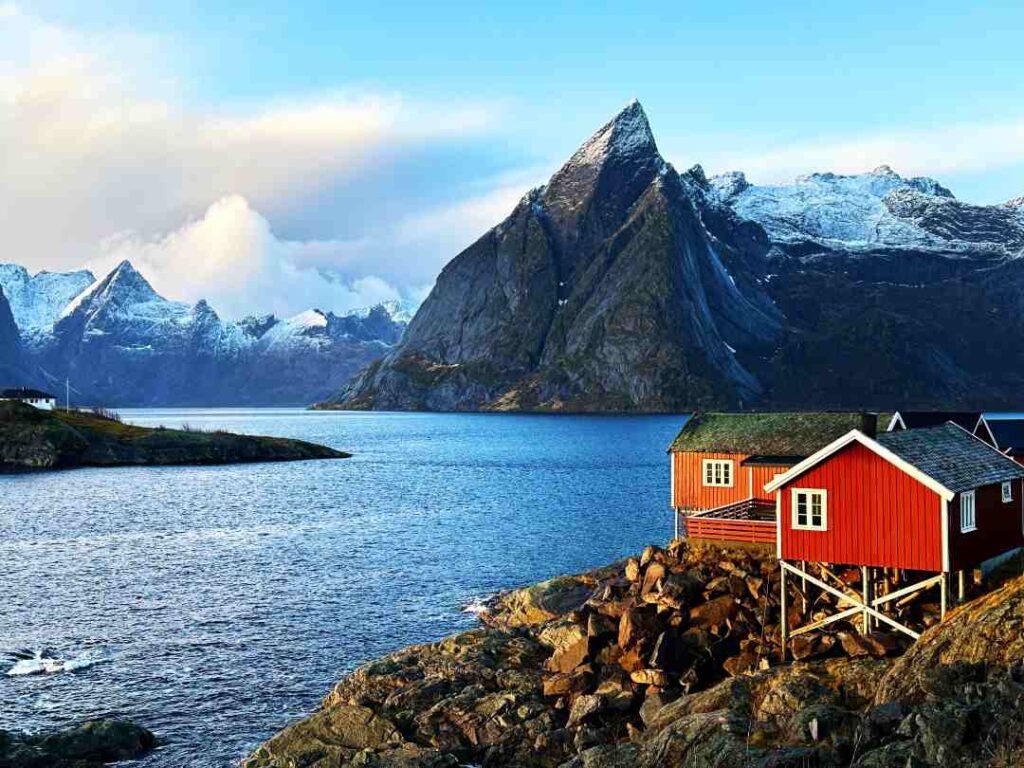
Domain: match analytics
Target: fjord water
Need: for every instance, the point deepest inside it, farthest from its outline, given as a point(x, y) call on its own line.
point(216, 604)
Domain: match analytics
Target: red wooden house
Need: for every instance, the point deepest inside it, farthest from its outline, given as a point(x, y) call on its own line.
point(720, 463)
point(936, 500)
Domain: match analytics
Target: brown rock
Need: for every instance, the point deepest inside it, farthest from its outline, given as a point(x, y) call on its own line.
point(650, 677)
point(655, 573)
point(638, 627)
point(585, 706)
point(569, 657)
point(600, 626)
point(631, 659)
point(714, 613)
point(856, 644)
point(633, 569)
point(579, 681)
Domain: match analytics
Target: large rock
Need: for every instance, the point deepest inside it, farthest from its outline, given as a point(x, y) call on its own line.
point(89, 745)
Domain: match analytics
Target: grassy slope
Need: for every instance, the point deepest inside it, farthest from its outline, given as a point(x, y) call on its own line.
point(33, 438)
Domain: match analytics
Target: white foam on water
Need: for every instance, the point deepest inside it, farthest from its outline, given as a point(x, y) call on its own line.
point(478, 605)
point(42, 663)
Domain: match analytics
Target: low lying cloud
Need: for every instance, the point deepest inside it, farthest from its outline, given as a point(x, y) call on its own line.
point(326, 200)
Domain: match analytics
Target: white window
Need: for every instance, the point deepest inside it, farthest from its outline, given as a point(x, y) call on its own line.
point(968, 519)
point(718, 472)
point(1007, 492)
point(810, 509)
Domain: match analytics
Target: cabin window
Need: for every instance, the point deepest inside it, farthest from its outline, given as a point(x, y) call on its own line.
point(810, 509)
point(718, 472)
point(968, 512)
point(1007, 492)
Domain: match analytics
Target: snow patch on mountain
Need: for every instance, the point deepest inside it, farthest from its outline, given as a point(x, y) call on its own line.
point(37, 300)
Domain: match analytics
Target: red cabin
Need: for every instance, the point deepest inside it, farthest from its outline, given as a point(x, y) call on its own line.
point(936, 500)
point(720, 463)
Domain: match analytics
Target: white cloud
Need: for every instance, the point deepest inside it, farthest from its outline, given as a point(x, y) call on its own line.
point(99, 165)
point(938, 151)
point(231, 257)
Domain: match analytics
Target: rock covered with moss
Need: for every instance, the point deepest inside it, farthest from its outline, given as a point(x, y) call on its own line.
point(37, 439)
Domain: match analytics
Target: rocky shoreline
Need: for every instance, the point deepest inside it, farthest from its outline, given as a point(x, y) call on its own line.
point(35, 439)
point(672, 659)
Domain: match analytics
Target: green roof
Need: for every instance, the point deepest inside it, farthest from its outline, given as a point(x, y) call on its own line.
point(769, 434)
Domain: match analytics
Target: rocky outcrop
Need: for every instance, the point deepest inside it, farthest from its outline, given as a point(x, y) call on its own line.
point(613, 287)
point(36, 439)
point(90, 745)
point(671, 659)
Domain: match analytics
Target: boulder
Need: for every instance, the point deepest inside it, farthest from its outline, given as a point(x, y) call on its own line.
point(89, 745)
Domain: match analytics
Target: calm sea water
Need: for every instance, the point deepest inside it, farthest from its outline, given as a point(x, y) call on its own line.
point(217, 604)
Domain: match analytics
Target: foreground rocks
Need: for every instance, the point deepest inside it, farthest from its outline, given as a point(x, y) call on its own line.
point(36, 439)
point(89, 745)
point(672, 659)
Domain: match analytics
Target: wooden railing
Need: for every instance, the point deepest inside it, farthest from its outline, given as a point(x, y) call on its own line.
point(750, 531)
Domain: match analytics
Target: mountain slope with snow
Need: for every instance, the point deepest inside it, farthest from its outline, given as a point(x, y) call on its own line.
point(37, 300)
point(880, 209)
point(121, 343)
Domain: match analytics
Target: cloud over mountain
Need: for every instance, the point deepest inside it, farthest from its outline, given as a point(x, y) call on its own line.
point(313, 195)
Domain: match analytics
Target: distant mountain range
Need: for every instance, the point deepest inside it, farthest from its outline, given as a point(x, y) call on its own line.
point(623, 285)
point(121, 343)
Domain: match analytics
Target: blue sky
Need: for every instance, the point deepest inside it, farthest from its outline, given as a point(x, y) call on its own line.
point(464, 107)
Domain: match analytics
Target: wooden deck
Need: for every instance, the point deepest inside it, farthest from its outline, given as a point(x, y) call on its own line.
point(748, 522)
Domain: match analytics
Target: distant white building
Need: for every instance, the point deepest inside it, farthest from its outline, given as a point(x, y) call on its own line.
point(34, 397)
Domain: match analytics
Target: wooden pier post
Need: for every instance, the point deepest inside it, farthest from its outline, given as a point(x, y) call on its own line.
point(783, 606)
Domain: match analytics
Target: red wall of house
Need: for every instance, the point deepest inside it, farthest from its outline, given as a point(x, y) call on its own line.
point(877, 515)
point(689, 491)
point(999, 526)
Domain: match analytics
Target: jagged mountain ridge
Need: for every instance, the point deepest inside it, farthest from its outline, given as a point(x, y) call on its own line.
point(623, 285)
point(121, 343)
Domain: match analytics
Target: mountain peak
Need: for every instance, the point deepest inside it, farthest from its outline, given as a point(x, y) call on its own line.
point(627, 134)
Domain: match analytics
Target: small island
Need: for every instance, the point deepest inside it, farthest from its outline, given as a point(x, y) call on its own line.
point(33, 438)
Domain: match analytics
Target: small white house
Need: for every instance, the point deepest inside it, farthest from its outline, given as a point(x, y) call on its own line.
point(34, 397)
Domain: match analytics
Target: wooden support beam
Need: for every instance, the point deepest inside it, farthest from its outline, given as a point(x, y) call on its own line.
point(943, 588)
point(962, 591)
point(784, 608)
point(853, 601)
point(908, 590)
point(865, 586)
point(826, 621)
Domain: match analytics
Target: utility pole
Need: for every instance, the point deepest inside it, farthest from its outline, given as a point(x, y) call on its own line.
point(67, 394)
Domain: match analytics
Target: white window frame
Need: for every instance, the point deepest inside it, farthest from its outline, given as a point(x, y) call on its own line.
point(809, 526)
point(1007, 491)
point(718, 481)
point(968, 512)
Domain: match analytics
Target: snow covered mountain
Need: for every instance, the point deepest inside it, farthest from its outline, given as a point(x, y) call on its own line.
point(121, 343)
point(624, 285)
point(37, 300)
point(873, 210)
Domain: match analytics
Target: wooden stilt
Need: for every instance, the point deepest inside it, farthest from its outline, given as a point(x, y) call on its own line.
point(865, 586)
point(783, 607)
point(962, 587)
point(943, 588)
point(803, 587)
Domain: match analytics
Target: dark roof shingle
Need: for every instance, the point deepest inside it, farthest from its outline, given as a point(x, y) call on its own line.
point(21, 393)
point(952, 457)
point(769, 434)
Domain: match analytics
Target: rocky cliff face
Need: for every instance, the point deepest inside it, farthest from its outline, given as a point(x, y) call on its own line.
point(613, 287)
point(121, 343)
point(670, 660)
point(624, 285)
